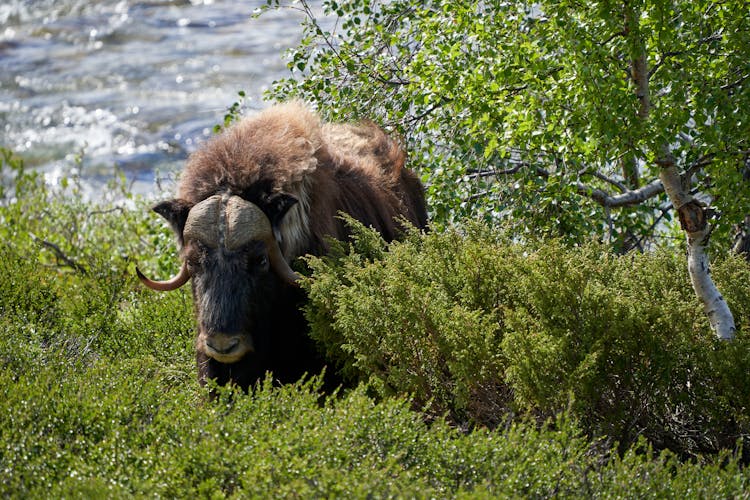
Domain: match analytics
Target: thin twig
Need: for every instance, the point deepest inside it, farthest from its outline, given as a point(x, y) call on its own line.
point(619, 185)
point(59, 254)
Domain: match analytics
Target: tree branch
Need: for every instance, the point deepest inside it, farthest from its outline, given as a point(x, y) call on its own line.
point(441, 103)
point(628, 198)
point(735, 84)
point(479, 174)
point(59, 254)
point(619, 185)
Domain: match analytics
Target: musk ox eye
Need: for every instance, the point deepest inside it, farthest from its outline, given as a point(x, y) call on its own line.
point(258, 262)
point(193, 262)
point(193, 266)
point(262, 262)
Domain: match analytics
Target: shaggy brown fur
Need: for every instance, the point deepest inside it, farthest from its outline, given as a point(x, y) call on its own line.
point(329, 168)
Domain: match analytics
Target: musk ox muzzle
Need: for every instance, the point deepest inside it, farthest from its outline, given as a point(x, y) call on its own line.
point(230, 222)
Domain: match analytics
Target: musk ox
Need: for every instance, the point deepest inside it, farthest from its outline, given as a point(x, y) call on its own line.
point(253, 199)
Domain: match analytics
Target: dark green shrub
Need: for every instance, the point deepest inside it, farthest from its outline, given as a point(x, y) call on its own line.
point(130, 428)
point(414, 321)
point(482, 327)
point(98, 397)
point(626, 338)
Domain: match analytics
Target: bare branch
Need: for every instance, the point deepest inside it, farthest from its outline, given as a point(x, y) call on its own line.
point(478, 196)
point(443, 101)
point(674, 53)
point(737, 83)
point(92, 213)
point(497, 173)
point(628, 198)
point(59, 254)
point(612, 37)
point(698, 164)
point(619, 185)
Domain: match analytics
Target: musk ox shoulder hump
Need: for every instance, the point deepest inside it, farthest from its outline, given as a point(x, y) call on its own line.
point(369, 147)
point(274, 148)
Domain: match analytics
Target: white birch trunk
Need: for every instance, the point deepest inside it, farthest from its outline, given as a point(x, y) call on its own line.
point(691, 212)
point(693, 221)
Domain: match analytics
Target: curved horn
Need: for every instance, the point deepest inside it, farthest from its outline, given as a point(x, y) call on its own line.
point(279, 263)
point(245, 221)
point(166, 286)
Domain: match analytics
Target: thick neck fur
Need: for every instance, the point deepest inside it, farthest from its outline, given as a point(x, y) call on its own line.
point(295, 228)
point(328, 168)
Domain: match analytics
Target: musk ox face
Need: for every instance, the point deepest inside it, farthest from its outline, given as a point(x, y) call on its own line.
point(229, 250)
point(233, 290)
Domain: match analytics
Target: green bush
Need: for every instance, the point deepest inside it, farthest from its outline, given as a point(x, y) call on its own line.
point(121, 429)
point(70, 272)
point(99, 399)
point(473, 324)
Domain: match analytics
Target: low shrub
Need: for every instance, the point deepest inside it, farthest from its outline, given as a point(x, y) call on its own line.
point(129, 428)
point(69, 284)
point(480, 327)
point(98, 395)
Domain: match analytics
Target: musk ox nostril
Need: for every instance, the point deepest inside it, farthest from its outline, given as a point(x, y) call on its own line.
point(224, 348)
point(223, 344)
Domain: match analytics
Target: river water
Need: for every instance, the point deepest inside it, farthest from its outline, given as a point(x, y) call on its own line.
point(97, 87)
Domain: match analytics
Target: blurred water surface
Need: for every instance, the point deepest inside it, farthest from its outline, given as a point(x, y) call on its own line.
point(132, 85)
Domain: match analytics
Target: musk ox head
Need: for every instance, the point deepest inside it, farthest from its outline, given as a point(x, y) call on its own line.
point(229, 250)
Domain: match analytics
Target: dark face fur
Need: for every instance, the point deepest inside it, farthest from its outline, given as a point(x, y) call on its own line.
point(233, 292)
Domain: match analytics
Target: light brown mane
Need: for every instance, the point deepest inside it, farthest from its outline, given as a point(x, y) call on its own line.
point(329, 168)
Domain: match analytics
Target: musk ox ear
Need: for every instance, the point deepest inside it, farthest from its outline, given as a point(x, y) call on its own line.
point(276, 207)
point(175, 212)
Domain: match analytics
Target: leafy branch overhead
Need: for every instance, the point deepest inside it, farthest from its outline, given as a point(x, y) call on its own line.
point(532, 111)
point(556, 115)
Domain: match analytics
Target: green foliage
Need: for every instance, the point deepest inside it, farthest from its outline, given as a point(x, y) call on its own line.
point(234, 112)
point(72, 282)
point(517, 111)
point(125, 428)
point(479, 327)
point(98, 397)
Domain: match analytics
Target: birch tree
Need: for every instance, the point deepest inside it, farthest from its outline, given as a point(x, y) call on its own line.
point(564, 117)
point(691, 212)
